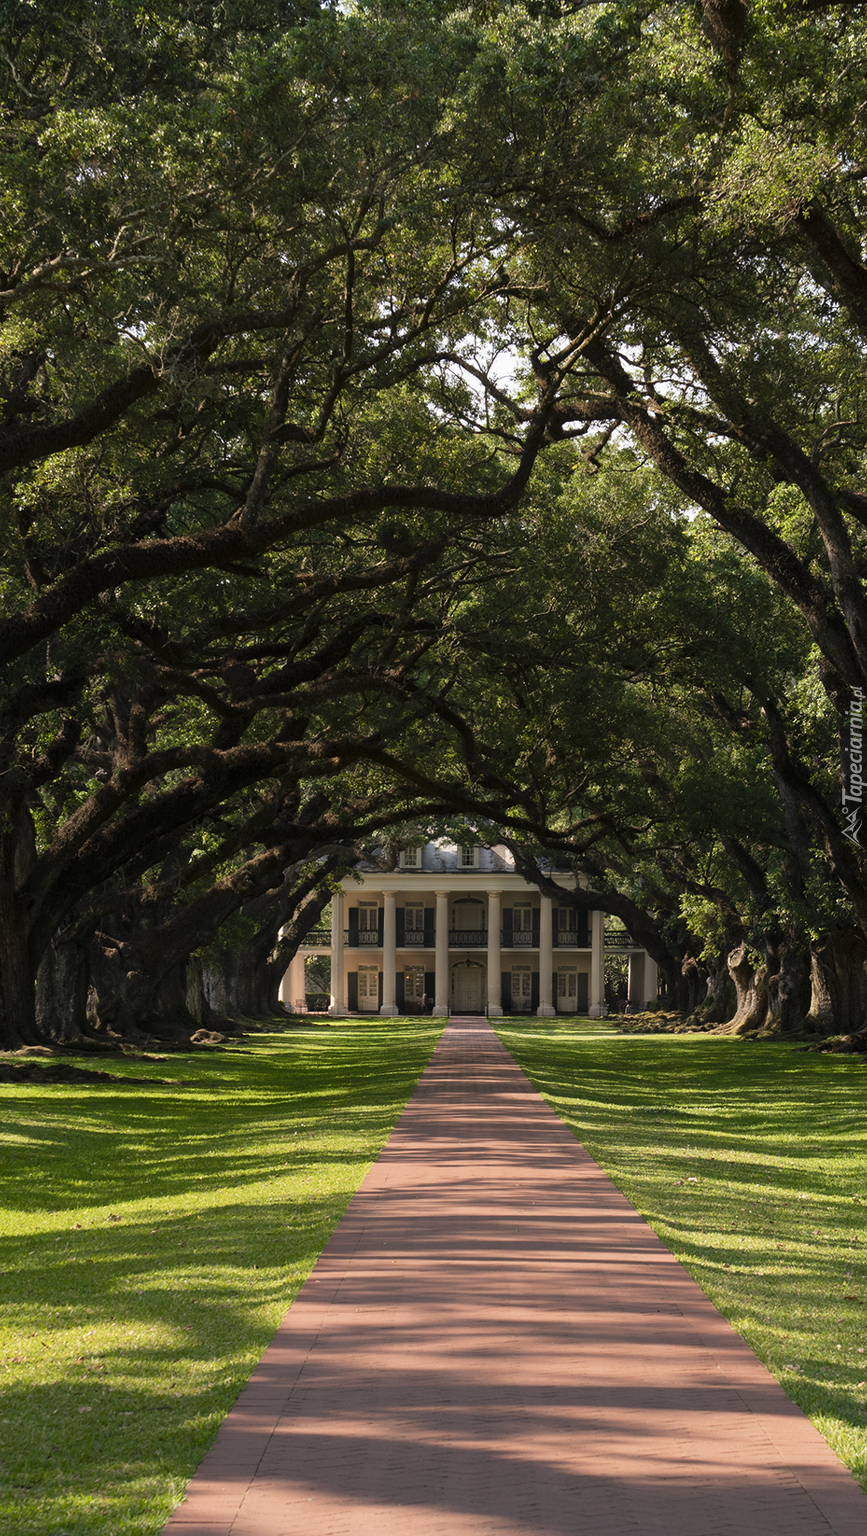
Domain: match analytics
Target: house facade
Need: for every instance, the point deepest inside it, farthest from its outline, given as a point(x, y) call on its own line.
point(454, 929)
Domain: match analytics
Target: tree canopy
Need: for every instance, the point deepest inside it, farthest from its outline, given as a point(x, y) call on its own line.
point(414, 412)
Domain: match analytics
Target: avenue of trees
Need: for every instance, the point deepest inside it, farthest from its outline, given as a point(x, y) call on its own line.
point(414, 413)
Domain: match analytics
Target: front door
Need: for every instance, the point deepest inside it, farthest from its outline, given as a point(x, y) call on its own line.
point(368, 989)
point(571, 990)
point(567, 990)
point(413, 987)
point(467, 989)
point(522, 988)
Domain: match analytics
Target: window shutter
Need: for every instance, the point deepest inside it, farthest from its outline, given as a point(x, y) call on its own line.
point(400, 991)
point(353, 931)
point(582, 1001)
point(352, 991)
point(507, 932)
point(428, 933)
point(380, 922)
point(506, 986)
point(430, 984)
point(534, 991)
point(536, 927)
point(379, 988)
point(400, 925)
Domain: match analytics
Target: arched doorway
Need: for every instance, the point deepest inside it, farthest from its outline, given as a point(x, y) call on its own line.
point(468, 987)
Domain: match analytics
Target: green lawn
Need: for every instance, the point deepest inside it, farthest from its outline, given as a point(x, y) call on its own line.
point(750, 1161)
point(151, 1238)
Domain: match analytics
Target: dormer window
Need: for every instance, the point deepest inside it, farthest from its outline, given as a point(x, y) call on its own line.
point(410, 858)
point(468, 856)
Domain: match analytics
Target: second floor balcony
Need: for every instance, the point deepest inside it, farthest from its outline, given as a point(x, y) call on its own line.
point(459, 938)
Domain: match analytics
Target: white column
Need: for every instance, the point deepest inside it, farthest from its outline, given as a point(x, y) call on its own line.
point(284, 993)
point(635, 980)
point(495, 979)
point(389, 954)
point(292, 985)
point(597, 964)
point(441, 963)
point(546, 958)
point(338, 990)
point(651, 979)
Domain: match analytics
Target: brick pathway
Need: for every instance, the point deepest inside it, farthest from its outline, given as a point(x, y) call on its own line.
point(495, 1344)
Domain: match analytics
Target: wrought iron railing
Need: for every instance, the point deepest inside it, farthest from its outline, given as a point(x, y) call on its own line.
point(317, 937)
point(466, 938)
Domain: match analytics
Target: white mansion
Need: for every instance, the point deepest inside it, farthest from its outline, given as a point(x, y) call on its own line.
point(455, 930)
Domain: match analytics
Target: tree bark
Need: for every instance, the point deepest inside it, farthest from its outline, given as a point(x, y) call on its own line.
point(716, 1006)
point(751, 991)
point(838, 979)
point(62, 983)
point(18, 1024)
point(786, 977)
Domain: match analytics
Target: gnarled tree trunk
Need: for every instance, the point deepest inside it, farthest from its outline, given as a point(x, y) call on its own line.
point(838, 980)
point(751, 993)
point(717, 1004)
point(786, 972)
point(18, 1024)
point(62, 982)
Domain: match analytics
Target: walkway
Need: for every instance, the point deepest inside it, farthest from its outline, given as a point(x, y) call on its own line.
point(495, 1344)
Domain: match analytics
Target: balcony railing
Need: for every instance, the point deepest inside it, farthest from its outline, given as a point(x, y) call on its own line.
point(365, 938)
point(465, 938)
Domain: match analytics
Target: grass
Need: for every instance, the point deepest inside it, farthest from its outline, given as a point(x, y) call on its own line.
point(750, 1162)
point(152, 1235)
point(151, 1238)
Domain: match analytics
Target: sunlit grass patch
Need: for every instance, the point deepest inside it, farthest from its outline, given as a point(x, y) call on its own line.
point(151, 1239)
point(750, 1161)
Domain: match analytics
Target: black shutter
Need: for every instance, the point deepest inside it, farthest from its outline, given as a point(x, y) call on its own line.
point(353, 929)
point(582, 1002)
point(536, 921)
point(506, 985)
point(380, 924)
point(352, 991)
point(379, 979)
point(582, 931)
point(507, 934)
point(534, 991)
point(400, 991)
point(400, 926)
point(428, 933)
point(430, 984)
point(554, 991)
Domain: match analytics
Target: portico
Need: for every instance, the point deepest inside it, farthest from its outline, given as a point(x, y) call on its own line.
point(457, 930)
